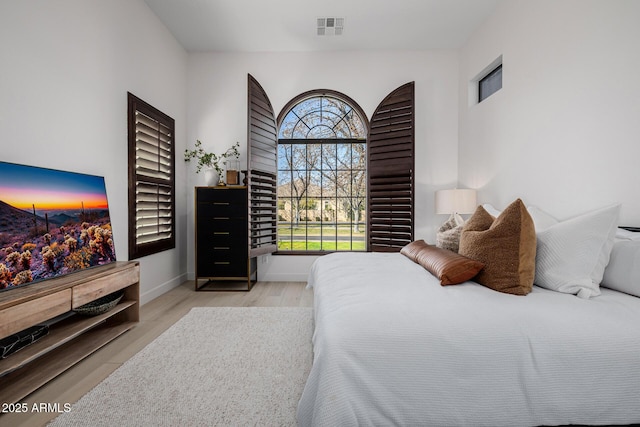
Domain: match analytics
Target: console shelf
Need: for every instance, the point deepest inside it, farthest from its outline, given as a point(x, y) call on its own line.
point(75, 336)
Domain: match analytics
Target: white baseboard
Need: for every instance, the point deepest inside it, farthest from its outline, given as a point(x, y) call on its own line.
point(162, 288)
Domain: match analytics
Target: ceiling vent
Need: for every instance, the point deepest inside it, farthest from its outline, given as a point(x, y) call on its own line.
point(330, 26)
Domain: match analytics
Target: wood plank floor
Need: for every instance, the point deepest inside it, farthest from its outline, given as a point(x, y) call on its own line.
point(155, 317)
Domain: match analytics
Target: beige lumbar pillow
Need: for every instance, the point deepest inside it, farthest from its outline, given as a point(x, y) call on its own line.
point(448, 236)
point(506, 245)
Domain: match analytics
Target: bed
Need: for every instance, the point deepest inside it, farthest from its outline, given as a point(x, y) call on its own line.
point(392, 346)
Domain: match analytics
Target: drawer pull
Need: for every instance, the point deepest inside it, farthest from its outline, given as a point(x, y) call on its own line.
point(222, 263)
point(221, 217)
point(221, 248)
point(222, 232)
point(222, 203)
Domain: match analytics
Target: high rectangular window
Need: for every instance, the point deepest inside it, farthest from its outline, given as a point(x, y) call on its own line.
point(490, 84)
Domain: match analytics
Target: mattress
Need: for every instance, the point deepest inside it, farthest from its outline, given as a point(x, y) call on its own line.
point(394, 347)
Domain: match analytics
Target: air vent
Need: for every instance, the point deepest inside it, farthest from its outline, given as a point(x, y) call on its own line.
point(330, 26)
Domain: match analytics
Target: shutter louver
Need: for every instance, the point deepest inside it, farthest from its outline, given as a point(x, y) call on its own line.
point(151, 229)
point(262, 173)
point(391, 145)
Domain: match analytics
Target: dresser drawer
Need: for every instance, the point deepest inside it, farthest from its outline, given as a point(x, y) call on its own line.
point(222, 268)
point(233, 227)
point(210, 211)
point(230, 195)
point(214, 252)
point(222, 238)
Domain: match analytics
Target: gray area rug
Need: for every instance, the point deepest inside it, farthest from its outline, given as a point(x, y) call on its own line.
point(231, 366)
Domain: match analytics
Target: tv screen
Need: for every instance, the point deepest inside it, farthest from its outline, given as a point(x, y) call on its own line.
point(51, 223)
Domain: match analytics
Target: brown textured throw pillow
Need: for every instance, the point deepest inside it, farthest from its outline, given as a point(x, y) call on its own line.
point(447, 266)
point(506, 245)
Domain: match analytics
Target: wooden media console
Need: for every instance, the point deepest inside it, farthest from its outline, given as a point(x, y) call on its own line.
point(72, 337)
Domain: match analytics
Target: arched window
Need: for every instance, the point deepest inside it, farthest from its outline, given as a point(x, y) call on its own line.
point(309, 162)
point(322, 174)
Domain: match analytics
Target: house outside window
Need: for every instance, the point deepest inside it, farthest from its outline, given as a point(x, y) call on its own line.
point(322, 176)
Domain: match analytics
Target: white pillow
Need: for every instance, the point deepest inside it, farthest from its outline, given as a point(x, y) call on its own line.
point(571, 255)
point(491, 210)
point(541, 219)
point(623, 234)
point(623, 271)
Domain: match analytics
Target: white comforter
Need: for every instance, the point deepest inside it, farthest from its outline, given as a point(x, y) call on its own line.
point(393, 347)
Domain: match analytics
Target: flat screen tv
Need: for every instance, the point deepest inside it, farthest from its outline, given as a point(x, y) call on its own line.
point(52, 223)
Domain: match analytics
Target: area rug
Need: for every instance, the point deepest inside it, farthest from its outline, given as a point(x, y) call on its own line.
point(231, 366)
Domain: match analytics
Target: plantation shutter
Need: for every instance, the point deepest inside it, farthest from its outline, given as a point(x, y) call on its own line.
point(390, 150)
point(151, 180)
point(262, 171)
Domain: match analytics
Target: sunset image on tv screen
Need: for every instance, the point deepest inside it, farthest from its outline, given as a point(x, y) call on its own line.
point(51, 223)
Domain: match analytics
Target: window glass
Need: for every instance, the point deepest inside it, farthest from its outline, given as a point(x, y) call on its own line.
point(490, 84)
point(321, 177)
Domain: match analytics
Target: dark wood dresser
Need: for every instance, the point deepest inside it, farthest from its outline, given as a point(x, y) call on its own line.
point(222, 240)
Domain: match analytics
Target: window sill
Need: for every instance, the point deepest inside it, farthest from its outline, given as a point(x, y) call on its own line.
point(312, 253)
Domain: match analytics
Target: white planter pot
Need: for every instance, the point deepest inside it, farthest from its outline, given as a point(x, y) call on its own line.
point(211, 177)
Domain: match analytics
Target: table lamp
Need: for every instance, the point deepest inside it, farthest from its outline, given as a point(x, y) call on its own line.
point(456, 201)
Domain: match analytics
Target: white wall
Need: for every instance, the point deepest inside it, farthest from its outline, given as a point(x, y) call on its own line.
point(217, 114)
point(66, 69)
point(563, 132)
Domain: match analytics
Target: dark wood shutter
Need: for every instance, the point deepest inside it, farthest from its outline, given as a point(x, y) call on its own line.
point(262, 171)
point(151, 179)
point(390, 150)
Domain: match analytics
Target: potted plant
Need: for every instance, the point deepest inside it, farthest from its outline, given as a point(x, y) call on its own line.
point(211, 161)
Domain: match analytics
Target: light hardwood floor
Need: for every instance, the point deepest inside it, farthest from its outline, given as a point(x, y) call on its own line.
point(155, 317)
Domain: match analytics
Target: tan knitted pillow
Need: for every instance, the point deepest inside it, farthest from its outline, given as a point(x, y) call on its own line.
point(506, 245)
point(448, 236)
point(447, 266)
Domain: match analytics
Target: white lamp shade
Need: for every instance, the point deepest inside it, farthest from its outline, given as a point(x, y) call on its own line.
point(456, 201)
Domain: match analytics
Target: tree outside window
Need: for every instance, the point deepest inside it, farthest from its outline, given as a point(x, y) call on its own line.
point(322, 177)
